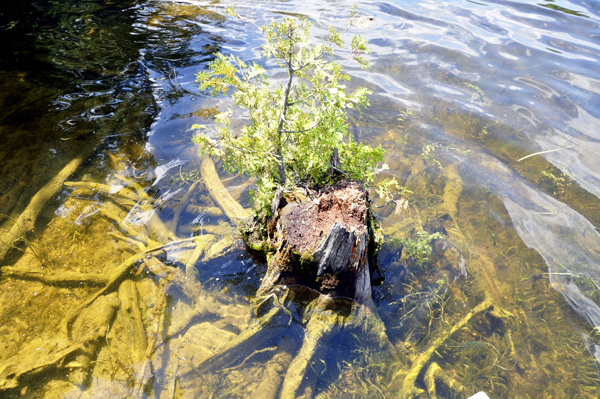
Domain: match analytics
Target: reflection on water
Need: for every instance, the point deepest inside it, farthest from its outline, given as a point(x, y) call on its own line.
point(463, 91)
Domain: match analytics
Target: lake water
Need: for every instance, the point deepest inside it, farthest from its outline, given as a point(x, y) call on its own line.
point(489, 112)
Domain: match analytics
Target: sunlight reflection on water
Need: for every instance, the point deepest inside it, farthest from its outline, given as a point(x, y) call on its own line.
point(484, 83)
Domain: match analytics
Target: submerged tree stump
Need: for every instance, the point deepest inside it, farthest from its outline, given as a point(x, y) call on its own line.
point(318, 245)
point(321, 240)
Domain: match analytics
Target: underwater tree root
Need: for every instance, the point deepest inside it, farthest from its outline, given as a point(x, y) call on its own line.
point(243, 345)
point(26, 221)
point(11, 373)
point(273, 375)
point(131, 317)
point(103, 189)
point(232, 209)
point(113, 283)
point(317, 334)
point(182, 205)
point(56, 279)
point(129, 200)
point(154, 333)
point(435, 372)
point(60, 352)
point(409, 390)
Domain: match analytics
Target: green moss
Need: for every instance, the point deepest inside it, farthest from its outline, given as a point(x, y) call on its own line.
point(254, 234)
point(376, 238)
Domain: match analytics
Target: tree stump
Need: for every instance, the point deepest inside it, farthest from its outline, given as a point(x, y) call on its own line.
point(321, 240)
point(318, 246)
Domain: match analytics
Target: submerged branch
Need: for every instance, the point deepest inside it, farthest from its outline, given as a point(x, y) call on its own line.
point(418, 364)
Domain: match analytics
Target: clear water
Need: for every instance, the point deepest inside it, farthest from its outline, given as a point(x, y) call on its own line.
point(483, 83)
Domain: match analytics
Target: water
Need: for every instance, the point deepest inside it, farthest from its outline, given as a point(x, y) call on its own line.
point(483, 83)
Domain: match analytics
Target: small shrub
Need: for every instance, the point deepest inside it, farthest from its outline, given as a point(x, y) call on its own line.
point(297, 131)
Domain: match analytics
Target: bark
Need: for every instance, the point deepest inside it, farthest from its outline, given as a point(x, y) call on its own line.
point(319, 245)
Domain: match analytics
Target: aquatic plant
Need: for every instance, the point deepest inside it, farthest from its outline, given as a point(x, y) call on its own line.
point(297, 130)
point(555, 182)
point(430, 148)
point(419, 249)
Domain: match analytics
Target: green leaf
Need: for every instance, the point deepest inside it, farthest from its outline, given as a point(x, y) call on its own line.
point(293, 127)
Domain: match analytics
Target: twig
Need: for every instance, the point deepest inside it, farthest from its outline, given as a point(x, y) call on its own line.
point(304, 130)
point(544, 152)
point(376, 387)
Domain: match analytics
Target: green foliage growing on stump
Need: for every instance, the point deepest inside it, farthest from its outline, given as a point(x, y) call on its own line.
point(295, 128)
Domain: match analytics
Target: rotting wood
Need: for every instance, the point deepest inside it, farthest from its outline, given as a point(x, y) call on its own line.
point(26, 221)
point(321, 265)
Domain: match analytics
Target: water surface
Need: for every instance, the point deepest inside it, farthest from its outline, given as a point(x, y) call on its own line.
point(463, 92)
